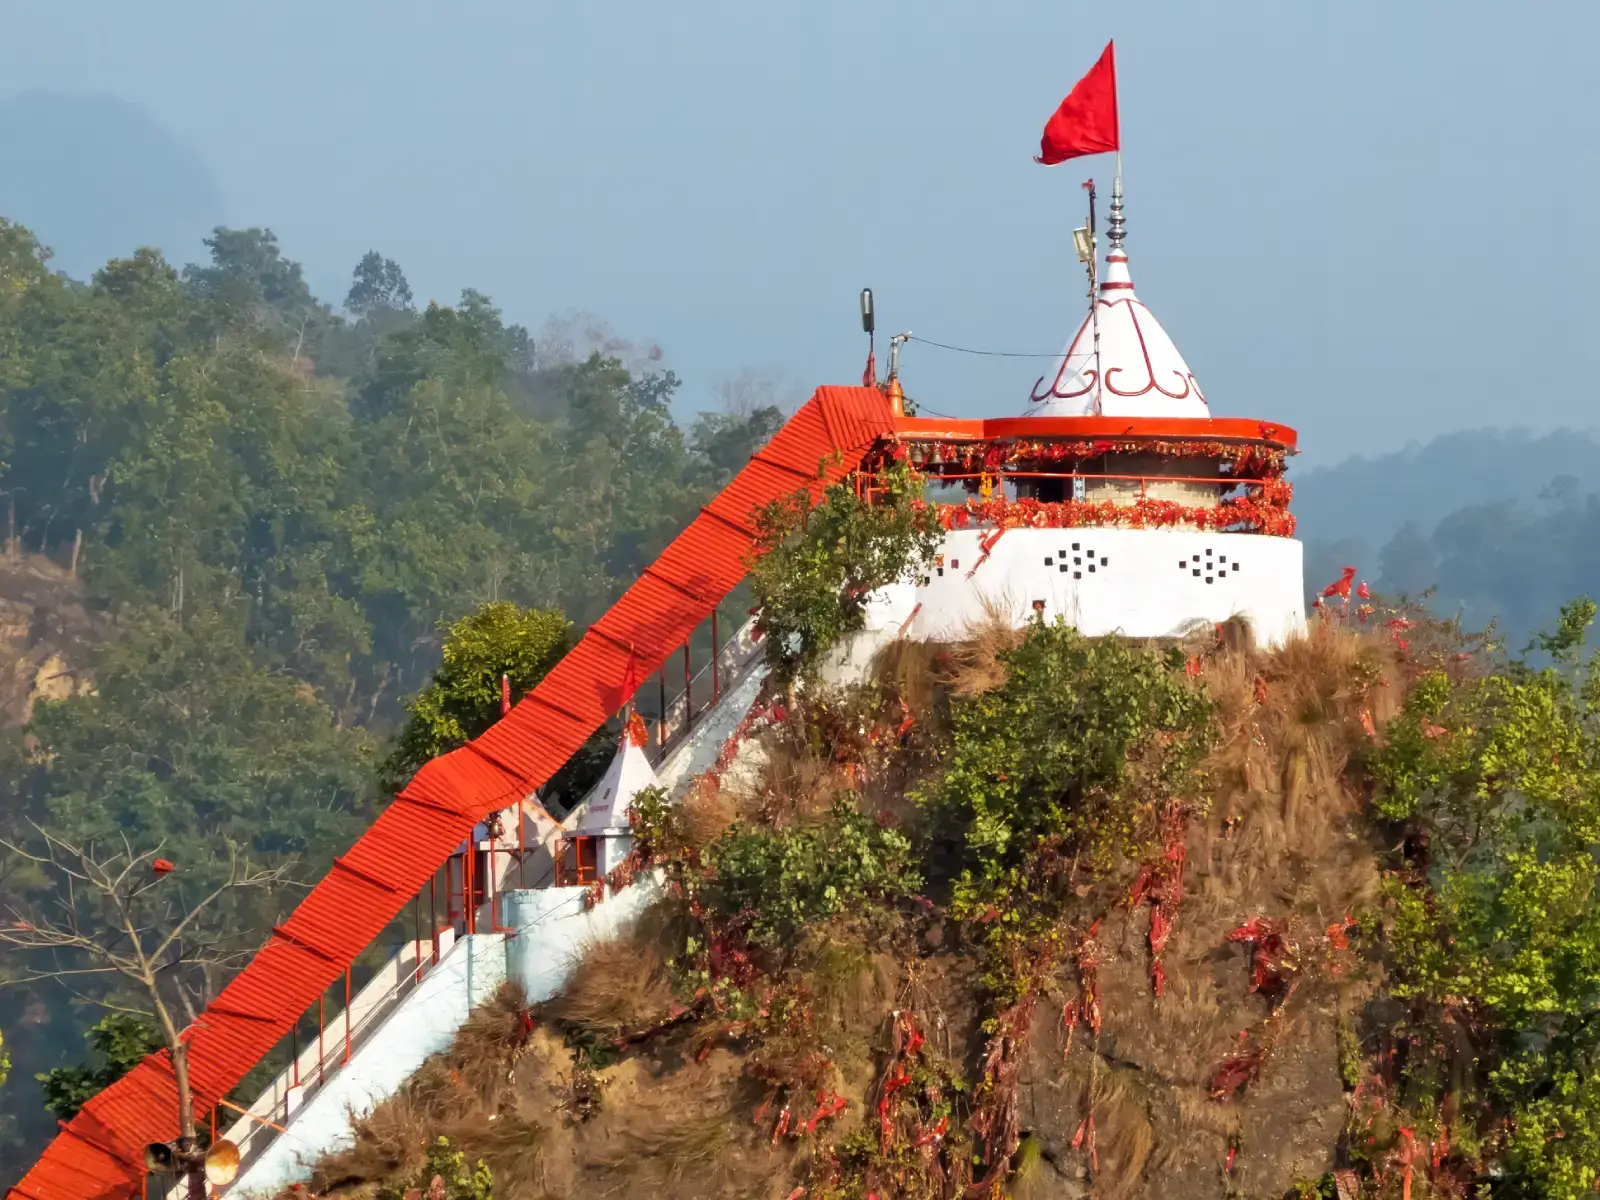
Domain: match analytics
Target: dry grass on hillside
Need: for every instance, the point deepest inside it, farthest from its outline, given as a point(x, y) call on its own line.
point(1284, 840)
point(617, 986)
point(461, 1094)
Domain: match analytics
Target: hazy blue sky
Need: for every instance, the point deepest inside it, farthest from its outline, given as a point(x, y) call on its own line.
point(1372, 220)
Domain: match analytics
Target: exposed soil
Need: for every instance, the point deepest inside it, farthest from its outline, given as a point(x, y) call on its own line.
point(45, 635)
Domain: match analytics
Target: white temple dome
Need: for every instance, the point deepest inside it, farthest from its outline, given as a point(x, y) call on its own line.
point(1140, 372)
point(610, 803)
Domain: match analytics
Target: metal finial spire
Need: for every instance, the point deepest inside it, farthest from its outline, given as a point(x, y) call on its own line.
point(1116, 228)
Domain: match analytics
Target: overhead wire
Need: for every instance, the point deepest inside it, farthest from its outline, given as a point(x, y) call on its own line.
point(981, 353)
point(911, 337)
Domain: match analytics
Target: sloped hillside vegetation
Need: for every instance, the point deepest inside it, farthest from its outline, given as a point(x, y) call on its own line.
point(1042, 915)
point(1047, 916)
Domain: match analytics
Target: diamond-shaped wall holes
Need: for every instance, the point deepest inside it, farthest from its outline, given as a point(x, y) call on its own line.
point(1077, 560)
point(1209, 566)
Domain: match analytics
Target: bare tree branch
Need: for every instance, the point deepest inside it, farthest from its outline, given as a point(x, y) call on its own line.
point(122, 913)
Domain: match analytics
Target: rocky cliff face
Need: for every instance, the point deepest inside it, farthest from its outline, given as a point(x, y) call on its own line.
point(45, 634)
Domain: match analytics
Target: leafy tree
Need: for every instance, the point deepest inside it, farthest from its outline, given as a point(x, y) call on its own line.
point(727, 441)
point(463, 699)
point(1496, 925)
point(120, 1041)
point(378, 284)
point(816, 565)
point(254, 287)
point(511, 342)
point(1080, 748)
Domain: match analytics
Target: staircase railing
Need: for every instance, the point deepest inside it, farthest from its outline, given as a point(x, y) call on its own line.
point(333, 1045)
point(340, 1034)
point(703, 690)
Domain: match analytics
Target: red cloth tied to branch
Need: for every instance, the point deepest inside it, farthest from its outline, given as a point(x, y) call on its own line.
point(1086, 121)
point(1341, 586)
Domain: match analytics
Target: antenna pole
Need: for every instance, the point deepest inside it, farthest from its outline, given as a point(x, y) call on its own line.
point(1094, 307)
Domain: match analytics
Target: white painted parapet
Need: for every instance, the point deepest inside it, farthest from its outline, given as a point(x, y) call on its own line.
point(551, 928)
point(1139, 583)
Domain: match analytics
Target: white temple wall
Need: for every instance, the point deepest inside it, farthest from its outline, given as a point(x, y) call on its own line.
point(552, 927)
point(1133, 582)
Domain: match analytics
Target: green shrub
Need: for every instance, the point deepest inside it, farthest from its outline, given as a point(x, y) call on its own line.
point(782, 880)
point(449, 1167)
point(815, 564)
point(1080, 747)
point(1494, 929)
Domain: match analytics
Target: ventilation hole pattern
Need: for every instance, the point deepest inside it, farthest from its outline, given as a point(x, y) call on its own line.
point(1209, 566)
point(1080, 561)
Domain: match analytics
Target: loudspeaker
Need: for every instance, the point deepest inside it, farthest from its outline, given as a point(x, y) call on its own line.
point(222, 1163)
point(160, 1157)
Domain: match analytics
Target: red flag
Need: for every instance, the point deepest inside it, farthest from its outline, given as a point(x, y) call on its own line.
point(1086, 122)
point(505, 694)
point(630, 677)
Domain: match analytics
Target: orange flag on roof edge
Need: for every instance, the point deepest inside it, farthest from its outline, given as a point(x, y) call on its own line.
point(1086, 122)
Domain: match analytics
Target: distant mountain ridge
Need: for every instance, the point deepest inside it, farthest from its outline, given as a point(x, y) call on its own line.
point(96, 177)
point(1503, 522)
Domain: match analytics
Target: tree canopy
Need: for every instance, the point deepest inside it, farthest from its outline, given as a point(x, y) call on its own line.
point(279, 514)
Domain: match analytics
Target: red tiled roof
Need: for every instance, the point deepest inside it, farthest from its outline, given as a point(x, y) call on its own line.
point(99, 1154)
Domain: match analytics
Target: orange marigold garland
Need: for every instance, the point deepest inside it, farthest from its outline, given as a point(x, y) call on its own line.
point(1246, 461)
point(637, 733)
point(1265, 509)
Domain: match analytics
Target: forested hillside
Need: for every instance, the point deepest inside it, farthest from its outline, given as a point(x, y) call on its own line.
point(1501, 522)
point(256, 512)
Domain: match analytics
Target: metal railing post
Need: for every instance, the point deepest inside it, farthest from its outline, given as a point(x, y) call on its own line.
point(661, 729)
point(688, 688)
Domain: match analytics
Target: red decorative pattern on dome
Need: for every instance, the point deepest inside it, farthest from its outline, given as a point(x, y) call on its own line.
point(1185, 380)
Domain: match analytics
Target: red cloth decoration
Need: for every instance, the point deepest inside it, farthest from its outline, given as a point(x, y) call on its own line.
point(161, 866)
point(1341, 586)
point(505, 695)
point(630, 676)
point(1086, 122)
